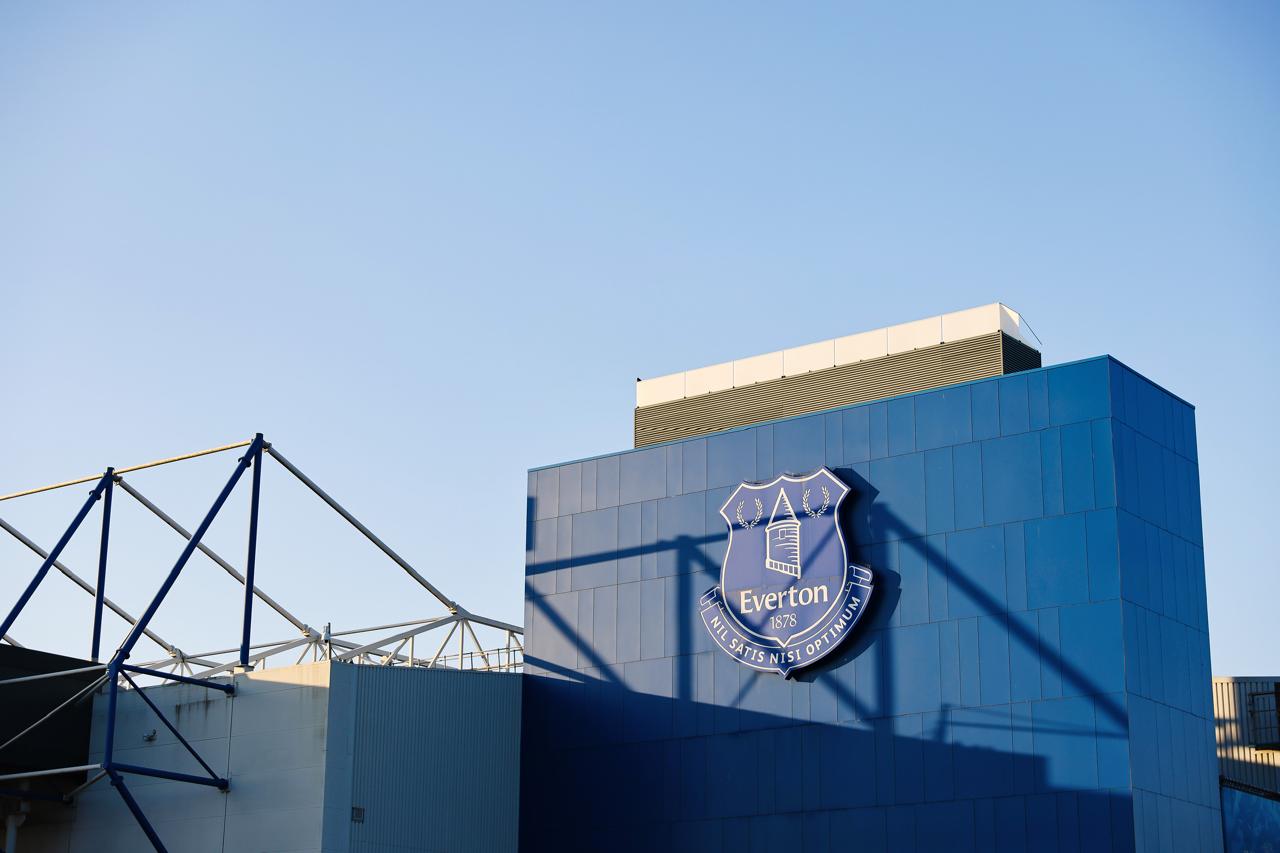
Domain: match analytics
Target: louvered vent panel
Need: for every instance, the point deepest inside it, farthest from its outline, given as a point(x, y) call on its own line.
point(1018, 356)
point(902, 373)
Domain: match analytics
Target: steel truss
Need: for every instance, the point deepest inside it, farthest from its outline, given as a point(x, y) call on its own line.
point(370, 646)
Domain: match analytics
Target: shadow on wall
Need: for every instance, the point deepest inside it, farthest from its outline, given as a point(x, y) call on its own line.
point(612, 773)
point(685, 748)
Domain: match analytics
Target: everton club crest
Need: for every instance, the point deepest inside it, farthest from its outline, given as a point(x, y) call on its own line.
point(787, 594)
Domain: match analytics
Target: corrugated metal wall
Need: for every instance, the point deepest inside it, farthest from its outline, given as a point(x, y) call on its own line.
point(902, 373)
point(435, 761)
point(1237, 760)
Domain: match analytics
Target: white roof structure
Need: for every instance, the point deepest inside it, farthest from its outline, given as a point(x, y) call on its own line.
point(931, 331)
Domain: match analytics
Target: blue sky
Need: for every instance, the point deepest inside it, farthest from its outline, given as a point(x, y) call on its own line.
point(424, 247)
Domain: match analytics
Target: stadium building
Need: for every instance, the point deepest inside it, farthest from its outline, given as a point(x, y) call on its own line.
point(906, 590)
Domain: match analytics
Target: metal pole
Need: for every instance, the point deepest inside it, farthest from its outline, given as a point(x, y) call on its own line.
point(102, 566)
point(142, 694)
point(45, 675)
point(476, 640)
point(229, 689)
point(208, 552)
point(80, 582)
point(89, 688)
point(382, 546)
point(127, 647)
point(90, 479)
point(118, 783)
point(56, 771)
point(53, 555)
point(109, 738)
point(253, 549)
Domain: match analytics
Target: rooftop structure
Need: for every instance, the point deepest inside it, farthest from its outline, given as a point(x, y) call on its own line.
point(976, 343)
point(49, 752)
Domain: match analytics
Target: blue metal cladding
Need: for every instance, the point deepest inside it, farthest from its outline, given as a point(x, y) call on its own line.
point(1032, 673)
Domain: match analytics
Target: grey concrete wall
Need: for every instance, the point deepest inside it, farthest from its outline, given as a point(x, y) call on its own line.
point(269, 740)
point(300, 746)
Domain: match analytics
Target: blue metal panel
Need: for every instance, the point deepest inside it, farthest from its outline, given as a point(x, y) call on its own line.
point(547, 500)
point(976, 572)
point(902, 425)
point(764, 452)
point(1050, 651)
point(731, 458)
point(629, 543)
point(1028, 664)
point(934, 549)
point(570, 490)
point(588, 494)
point(1038, 398)
point(913, 607)
point(943, 418)
point(607, 473)
point(694, 465)
point(945, 826)
point(970, 682)
point(899, 508)
point(833, 429)
point(1051, 470)
point(594, 540)
point(1065, 740)
point(1104, 566)
point(605, 614)
point(1089, 634)
point(913, 658)
point(675, 469)
point(940, 509)
point(984, 768)
point(967, 480)
point(1056, 561)
point(1011, 825)
point(1078, 392)
point(908, 758)
point(986, 409)
point(856, 433)
point(878, 425)
point(1011, 478)
point(643, 475)
point(900, 822)
point(1104, 464)
point(1014, 412)
point(993, 659)
point(1024, 657)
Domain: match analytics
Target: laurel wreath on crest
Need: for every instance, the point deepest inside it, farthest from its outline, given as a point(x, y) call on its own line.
point(826, 502)
point(754, 521)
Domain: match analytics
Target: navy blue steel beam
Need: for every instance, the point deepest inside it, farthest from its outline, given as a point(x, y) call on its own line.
point(229, 689)
point(113, 688)
point(168, 725)
point(100, 591)
point(53, 555)
point(221, 784)
point(253, 548)
point(116, 668)
point(127, 647)
point(117, 782)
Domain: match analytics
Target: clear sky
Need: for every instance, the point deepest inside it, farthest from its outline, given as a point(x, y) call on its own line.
point(424, 247)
